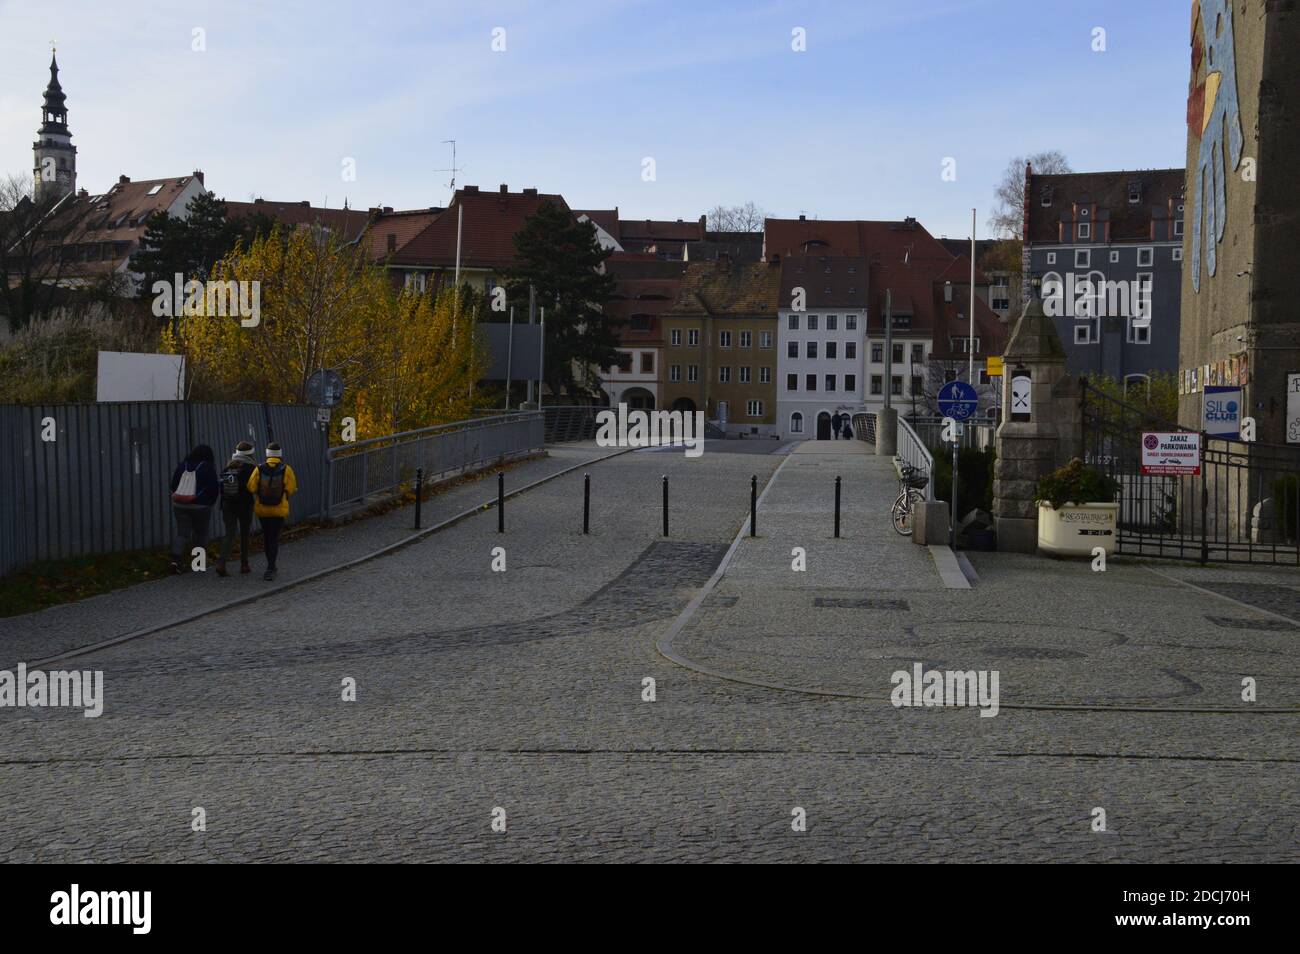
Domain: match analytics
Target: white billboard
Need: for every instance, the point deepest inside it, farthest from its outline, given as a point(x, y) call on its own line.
point(124, 376)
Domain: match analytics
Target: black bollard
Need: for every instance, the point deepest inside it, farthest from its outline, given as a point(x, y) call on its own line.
point(501, 502)
point(419, 493)
point(753, 505)
point(586, 503)
point(837, 508)
point(665, 505)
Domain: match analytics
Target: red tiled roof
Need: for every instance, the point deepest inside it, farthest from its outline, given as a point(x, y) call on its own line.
point(1109, 192)
point(490, 221)
point(641, 231)
point(607, 219)
point(403, 226)
point(347, 223)
point(828, 281)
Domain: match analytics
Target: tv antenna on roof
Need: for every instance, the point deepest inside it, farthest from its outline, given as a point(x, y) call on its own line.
point(454, 168)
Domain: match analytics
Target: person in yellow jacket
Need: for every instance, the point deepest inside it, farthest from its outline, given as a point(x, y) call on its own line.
point(272, 484)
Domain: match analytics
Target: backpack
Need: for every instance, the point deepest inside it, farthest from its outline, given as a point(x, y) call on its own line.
point(187, 488)
point(231, 485)
point(270, 485)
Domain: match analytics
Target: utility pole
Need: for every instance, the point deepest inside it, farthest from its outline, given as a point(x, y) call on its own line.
point(970, 340)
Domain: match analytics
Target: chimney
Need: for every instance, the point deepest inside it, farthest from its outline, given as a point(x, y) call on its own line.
point(198, 174)
point(504, 188)
point(470, 189)
point(803, 218)
point(530, 192)
point(305, 204)
point(388, 210)
point(123, 180)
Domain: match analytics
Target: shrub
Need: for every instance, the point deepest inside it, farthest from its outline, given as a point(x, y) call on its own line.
point(1078, 484)
point(975, 468)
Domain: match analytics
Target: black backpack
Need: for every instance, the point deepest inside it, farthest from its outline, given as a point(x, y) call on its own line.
point(270, 485)
point(231, 485)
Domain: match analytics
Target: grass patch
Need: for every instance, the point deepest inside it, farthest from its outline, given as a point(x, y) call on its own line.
point(50, 582)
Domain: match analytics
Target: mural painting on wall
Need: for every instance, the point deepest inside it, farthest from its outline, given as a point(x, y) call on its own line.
point(1213, 114)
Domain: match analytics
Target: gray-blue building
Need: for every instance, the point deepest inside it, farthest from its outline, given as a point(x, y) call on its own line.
point(1122, 233)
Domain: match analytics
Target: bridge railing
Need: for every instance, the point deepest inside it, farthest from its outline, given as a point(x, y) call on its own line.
point(912, 450)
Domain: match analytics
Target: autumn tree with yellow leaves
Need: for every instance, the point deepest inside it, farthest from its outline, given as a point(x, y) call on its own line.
point(408, 360)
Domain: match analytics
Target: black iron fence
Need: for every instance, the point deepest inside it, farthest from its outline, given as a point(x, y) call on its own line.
point(1243, 506)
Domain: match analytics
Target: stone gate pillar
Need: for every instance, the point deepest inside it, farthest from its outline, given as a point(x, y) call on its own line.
point(1031, 441)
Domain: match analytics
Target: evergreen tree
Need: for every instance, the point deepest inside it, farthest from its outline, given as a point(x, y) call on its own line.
point(561, 257)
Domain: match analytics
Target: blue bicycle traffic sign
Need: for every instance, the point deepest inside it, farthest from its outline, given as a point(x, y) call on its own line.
point(958, 400)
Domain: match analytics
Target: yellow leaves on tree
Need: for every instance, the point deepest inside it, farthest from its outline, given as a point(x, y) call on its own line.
point(406, 360)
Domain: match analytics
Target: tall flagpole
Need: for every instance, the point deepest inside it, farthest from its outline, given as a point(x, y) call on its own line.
point(970, 342)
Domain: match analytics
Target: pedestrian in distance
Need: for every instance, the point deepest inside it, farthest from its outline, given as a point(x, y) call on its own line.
point(836, 423)
point(272, 484)
point(848, 428)
point(195, 490)
point(237, 505)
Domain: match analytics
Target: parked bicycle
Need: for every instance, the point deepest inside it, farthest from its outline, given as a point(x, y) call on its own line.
point(911, 491)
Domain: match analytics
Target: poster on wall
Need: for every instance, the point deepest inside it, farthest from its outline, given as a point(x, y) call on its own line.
point(1221, 412)
point(1293, 408)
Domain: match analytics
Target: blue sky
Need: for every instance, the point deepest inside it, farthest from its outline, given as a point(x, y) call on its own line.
point(857, 126)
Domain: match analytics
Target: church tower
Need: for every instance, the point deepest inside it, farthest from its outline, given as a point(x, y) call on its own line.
point(56, 156)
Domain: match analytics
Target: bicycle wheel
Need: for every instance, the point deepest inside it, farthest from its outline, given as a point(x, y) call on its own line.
point(904, 507)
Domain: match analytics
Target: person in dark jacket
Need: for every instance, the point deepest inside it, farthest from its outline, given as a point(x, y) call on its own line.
point(837, 422)
point(195, 490)
point(237, 505)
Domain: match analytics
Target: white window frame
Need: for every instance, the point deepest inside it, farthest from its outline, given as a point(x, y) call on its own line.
point(674, 372)
point(850, 322)
point(675, 337)
point(1146, 257)
point(1086, 328)
point(1114, 257)
point(692, 372)
point(693, 338)
point(796, 423)
point(1085, 230)
point(744, 374)
point(765, 339)
point(1083, 258)
point(753, 408)
point(724, 339)
point(746, 339)
point(724, 374)
point(1051, 258)
point(765, 375)
point(1178, 254)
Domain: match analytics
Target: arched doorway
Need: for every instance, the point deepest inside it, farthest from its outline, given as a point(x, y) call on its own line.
point(638, 399)
point(824, 426)
point(685, 405)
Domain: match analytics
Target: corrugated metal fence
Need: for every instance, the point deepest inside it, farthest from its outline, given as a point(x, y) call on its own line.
point(101, 485)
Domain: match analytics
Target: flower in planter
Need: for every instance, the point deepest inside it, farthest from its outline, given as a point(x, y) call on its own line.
point(1076, 483)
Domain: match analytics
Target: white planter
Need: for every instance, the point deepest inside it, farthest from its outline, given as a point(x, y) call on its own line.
point(1076, 529)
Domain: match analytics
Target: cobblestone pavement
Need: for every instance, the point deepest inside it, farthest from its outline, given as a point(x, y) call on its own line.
point(524, 690)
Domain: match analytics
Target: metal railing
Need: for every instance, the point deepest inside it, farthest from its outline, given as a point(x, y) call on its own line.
point(359, 472)
point(566, 422)
point(912, 450)
point(864, 426)
point(978, 434)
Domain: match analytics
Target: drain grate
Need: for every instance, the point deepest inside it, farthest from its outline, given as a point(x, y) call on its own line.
point(1242, 622)
point(828, 602)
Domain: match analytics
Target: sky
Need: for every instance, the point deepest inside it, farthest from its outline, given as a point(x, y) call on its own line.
point(274, 99)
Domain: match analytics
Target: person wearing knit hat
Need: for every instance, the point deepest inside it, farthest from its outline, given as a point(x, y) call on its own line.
point(272, 484)
point(237, 505)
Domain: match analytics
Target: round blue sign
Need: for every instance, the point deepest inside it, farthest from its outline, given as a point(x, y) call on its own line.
point(958, 400)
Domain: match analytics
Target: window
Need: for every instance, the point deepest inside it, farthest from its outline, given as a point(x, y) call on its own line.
point(625, 362)
point(830, 382)
point(916, 384)
point(1001, 304)
point(746, 338)
point(792, 349)
point(764, 375)
point(850, 382)
point(918, 354)
point(744, 374)
point(754, 408)
point(812, 349)
point(810, 382)
point(692, 372)
point(898, 354)
point(851, 350)
point(1083, 333)
point(1139, 334)
point(724, 339)
point(724, 374)
point(676, 335)
point(1082, 258)
point(877, 384)
point(1145, 282)
point(765, 339)
point(812, 322)
point(1114, 258)
point(1178, 255)
point(850, 322)
point(832, 322)
point(831, 347)
point(693, 337)
point(1051, 258)
point(641, 322)
point(794, 322)
point(877, 353)
point(647, 362)
point(1178, 227)
point(896, 385)
point(1146, 257)
point(796, 423)
point(674, 372)
point(1085, 230)
point(792, 382)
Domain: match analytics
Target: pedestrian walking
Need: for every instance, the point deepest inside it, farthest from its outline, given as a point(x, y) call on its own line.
point(836, 423)
point(272, 484)
point(848, 428)
point(194, 491)
point(237, 505)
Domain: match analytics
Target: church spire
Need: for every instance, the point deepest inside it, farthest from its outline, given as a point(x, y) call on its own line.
point(56, 157)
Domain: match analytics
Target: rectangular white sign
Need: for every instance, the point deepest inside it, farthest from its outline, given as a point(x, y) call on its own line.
point(1293, 408)
point(1171, 453)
